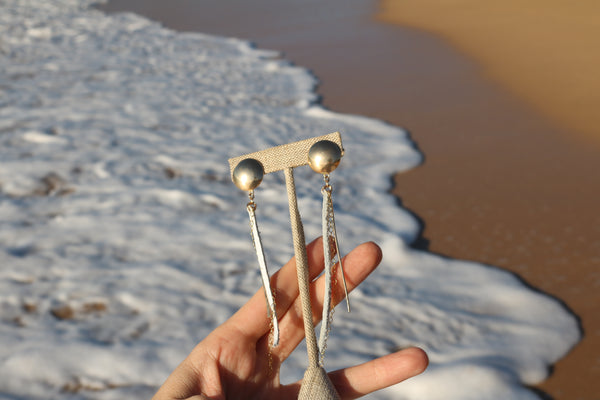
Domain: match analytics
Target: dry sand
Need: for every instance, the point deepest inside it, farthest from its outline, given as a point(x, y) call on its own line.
point(501, 183)
point(545, 51)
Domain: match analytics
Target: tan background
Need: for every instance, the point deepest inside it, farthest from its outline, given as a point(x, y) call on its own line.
point(545, 51)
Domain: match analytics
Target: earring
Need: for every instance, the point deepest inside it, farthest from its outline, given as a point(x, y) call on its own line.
point(324, 157)
point(247, 175)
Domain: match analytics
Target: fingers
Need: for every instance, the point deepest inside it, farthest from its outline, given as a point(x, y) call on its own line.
point(251, 320)
point(358, 264)
point(357, 381)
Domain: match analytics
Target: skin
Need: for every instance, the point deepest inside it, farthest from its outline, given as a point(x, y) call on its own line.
point(235, 361)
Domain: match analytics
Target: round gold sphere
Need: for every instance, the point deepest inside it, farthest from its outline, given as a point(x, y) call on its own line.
point(324, 156)
point(248, 174)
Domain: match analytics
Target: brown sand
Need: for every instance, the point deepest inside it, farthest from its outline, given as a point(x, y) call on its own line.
point(523, 199)
point(545, 51)
point(500, 184)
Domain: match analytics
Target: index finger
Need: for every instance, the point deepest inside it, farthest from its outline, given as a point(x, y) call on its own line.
point(252, 320)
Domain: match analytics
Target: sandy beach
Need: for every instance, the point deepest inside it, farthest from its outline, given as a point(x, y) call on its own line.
point(538, 217)
point(545, 52)
point(509, 177)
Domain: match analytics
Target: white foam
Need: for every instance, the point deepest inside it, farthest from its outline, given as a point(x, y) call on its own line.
point(42, 138)
point(169, 255)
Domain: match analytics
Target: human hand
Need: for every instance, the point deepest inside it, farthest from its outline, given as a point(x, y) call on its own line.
point(235, 362)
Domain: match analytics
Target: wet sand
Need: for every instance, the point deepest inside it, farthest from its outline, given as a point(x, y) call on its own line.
point(526, 197)
point(501, 184)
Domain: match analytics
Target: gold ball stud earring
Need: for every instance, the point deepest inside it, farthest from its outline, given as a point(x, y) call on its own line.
point(248, 174)
point(324, 156)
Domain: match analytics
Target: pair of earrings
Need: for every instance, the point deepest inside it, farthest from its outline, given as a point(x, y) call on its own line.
point(323, 157)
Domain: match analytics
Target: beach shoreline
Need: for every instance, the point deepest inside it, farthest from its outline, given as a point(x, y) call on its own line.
point(500, 185)
point(532, 58)
point(544, 52)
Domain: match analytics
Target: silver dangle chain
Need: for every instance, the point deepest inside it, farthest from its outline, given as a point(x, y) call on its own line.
point(329, 239)
point(332, 233)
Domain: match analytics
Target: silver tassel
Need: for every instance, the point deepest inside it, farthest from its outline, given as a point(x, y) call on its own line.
point(329, 237)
